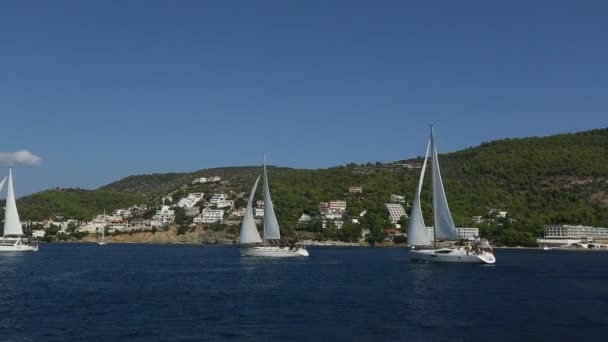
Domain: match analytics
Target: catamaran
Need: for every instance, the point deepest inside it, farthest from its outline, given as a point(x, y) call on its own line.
point(12, 238)
point(418, 235)
point(250, 240)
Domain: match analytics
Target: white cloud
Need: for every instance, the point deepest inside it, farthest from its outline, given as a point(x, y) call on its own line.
point(23, 157)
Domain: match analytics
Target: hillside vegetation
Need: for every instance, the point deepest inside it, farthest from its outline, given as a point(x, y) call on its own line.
point(556, 179)
point(74, 203)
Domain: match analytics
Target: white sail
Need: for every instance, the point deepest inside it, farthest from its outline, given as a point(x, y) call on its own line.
point(444, 225)
point(2, 183)
point(249, 231)
point(12, 224)
point(417, 234)
point(271, 226)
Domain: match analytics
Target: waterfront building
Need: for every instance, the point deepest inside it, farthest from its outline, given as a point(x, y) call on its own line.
point(576, 232)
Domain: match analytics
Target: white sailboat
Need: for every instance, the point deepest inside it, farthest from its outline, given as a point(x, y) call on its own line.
point(250, 240)
point(418, 236)
point(102, 241)
point(12, 239)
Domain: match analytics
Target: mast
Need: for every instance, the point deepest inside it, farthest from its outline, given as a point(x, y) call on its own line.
point(433, 156)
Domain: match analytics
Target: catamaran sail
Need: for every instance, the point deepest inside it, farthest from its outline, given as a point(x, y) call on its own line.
point(249, 231)
point(271, 226)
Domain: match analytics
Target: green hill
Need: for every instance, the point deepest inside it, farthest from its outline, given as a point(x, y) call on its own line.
point(74, 203)
point(538, 180)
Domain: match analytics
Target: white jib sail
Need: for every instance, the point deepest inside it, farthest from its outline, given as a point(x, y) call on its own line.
point(249, 231)
point(444, 225)
point(417, 234)
point(271, 226)
point(12, 224)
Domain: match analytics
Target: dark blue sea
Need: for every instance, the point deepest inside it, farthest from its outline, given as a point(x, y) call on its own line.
point(85, 292)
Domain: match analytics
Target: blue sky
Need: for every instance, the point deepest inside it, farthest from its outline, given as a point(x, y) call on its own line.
point(105, 89)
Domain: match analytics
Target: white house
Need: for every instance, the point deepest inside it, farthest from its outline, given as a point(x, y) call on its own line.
point(337, 223)
point(258, 212)
point(191, 200)
point(210, 216)
point(163, 216)
point(304, 218)
point(39, 233)
point(397, 198)
point(238, 212)
point(355, 189)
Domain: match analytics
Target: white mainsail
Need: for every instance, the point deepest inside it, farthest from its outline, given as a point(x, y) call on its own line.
point(444, 225)
point(12, 224)
point(2, 183)
point(271, 226)
point(249, 231)
point(417, 234)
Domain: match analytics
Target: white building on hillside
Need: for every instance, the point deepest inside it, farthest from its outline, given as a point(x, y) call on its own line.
point(240, 212)
point(355, 189)
point(464, 233)
point(191, 200)
point(395, 212)
point(210, 216)
point(337, 224)
point(304, 218)
point(468, 233)
point(336, 206)
point(221, 201)
point(164, 215)
point(258, 212)
point(397, 198)
point(203, 180)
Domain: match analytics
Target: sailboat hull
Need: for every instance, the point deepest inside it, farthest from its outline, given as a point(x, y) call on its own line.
point(274, 252)
point(18, 246)
point(451, 255)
